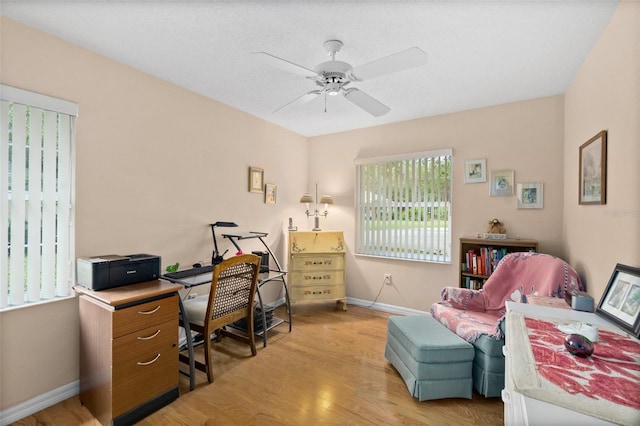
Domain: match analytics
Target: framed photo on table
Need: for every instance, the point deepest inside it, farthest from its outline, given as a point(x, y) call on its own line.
point(256, 179)
point(620, 302)
point(593, 170)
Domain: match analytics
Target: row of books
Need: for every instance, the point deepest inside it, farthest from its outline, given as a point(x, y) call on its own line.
point(483, 260)
point(472, 283)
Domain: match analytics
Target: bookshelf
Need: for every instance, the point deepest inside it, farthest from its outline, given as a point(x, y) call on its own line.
point(488, 252)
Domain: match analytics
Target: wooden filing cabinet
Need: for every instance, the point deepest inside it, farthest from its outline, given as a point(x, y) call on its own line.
point(128, 350)
point(317, 266)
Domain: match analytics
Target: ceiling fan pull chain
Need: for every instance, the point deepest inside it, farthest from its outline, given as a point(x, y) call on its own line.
point(325, 101)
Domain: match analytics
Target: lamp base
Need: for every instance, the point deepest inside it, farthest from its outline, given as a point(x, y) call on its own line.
point(316, 223)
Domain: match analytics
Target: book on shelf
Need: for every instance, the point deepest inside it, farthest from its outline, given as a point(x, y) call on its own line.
point(484, 260)
point(473, 283)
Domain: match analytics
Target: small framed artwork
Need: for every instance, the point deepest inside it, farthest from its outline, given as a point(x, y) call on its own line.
point(475, 171)
point(620, 302)
point(529, 195)
point(501, 183)
point(593, 170)
point(256, 179)
point(270, 193)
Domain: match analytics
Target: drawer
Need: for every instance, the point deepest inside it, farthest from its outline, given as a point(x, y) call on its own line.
point(136, 317)
point(145, 364)
point(307, 278)
point(317, 292)
point(316, 242)
point(315, 262)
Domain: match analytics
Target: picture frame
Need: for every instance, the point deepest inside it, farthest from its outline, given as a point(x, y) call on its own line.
point(475, 171)
point(592, 170)
point(270, 193)
point(620, 302)
point(256, 179)
point(501, 183)
point(529, 195)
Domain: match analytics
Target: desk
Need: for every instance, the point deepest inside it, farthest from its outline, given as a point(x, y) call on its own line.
point(198, 276)
point(273, 276)
point(526, 397)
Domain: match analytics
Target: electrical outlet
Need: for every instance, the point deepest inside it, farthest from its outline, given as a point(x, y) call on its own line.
point(387, 279)
point(192, 296)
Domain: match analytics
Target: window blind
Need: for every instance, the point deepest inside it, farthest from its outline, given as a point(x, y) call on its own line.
point(403, 206)
point(36, 196)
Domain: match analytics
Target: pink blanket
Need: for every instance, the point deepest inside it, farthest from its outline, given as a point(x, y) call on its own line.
point(472, 313)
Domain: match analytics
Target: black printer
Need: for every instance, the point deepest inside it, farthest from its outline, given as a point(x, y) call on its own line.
point(112, 270)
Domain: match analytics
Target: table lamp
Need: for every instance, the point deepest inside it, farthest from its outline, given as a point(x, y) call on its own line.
point(325, 199)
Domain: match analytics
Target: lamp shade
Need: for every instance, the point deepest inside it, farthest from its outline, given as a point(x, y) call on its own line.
point(326, 199)
point(306, 198)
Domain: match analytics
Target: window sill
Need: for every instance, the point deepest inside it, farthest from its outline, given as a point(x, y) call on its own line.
point(38, 303)
point(446, 261)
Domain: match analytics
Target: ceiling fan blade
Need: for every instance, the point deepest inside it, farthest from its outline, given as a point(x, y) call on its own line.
point(285, 65)
point(412, 57)
point(307, 97)
point(366, 102)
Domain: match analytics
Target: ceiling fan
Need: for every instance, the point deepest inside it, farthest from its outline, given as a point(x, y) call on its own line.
point(333, 76)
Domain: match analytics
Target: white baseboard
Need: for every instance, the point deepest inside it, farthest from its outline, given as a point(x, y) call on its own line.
point(392, 309)
point(40, 402)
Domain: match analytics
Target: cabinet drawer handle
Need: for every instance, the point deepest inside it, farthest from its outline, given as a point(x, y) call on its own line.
point(153, 311)
point(149, 337)
point(149, 362)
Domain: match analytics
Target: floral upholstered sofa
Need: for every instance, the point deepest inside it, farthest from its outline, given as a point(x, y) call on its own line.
point(477, 315)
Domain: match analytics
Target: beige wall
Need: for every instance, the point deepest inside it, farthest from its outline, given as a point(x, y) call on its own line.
point(525, 137)
point(155, 165)
point(605, 95)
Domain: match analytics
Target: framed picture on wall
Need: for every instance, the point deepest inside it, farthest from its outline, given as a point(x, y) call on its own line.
point(593, 170)
point(270, 193)
point(620, 302)
point(529, 195)
point(475, 171)
point(501, 183)
point(256, 179)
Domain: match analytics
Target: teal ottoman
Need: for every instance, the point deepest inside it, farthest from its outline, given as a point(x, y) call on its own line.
point(434, 362)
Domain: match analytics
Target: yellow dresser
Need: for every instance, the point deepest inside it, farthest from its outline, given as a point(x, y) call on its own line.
point(316, 266)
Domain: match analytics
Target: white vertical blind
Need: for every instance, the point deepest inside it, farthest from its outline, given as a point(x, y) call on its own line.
point(403, 206)
point(63, 212)
point(17, 217)
point(4, 203)
point(35, 212)
point(36, 197)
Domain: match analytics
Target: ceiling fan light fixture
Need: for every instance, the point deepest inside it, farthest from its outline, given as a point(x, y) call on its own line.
point(333, 89)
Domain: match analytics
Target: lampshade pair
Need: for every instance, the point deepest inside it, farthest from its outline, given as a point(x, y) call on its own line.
point(325, 199)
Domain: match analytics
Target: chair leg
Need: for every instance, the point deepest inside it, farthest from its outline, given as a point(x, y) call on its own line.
point(207, 355)
point(185, 324)
point(251, 336)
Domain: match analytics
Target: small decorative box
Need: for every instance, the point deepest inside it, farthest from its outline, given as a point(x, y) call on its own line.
point(488, 236)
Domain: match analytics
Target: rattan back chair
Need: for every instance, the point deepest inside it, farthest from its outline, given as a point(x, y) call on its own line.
point(231, 298)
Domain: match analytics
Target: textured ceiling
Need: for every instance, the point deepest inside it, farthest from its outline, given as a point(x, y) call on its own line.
point(480, 53)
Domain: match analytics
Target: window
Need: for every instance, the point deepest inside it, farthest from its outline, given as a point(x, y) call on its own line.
point(36, 194)
point(403, 206)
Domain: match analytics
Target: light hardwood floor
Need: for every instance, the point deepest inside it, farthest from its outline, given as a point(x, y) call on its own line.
point(330, 370)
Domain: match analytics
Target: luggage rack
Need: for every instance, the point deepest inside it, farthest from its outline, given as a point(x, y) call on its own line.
point(272, 276)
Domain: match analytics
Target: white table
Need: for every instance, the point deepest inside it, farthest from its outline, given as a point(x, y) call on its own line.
point(522, 410)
